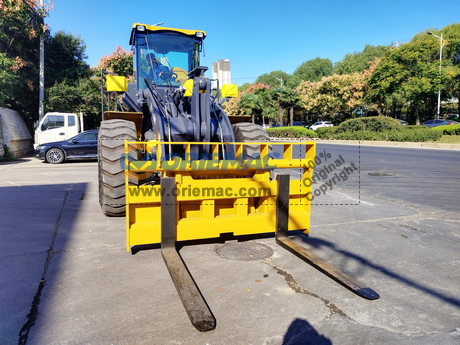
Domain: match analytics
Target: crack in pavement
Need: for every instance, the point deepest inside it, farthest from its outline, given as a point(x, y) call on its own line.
point(298, 289)
point(415, 229)
point(64, 250)
point(33, 313)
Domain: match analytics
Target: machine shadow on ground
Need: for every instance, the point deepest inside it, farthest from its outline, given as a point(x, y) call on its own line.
point(33, 231)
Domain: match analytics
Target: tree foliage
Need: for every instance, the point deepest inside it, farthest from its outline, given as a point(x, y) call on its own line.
point(244, 87)
point(119, 62)
point(337, 94)
point(9, 79)
point(272, 79)
point(65, 59)
point(21, 28)
point(359, 61)
point(81, 96)
point(251, 104)
point(312, 70)
point(411, 70)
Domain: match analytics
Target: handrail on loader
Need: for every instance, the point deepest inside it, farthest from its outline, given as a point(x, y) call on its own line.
point(204, 198)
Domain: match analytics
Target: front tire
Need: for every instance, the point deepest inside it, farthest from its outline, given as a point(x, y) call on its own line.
point(55, 156)
point(250, 132)
point(111, 147)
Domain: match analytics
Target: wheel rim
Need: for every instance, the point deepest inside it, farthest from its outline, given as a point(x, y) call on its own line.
point(54, 156)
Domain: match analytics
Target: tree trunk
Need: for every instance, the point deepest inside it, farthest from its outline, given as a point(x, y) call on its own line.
point(291, 113)
point(280, 113)
point(263, 120)
point(417, 119)
point(253, 117)
point(270, 122)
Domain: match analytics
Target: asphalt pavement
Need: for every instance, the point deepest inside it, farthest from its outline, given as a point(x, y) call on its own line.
point(393, 224)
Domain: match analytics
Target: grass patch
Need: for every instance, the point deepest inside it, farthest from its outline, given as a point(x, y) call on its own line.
point(448, 139)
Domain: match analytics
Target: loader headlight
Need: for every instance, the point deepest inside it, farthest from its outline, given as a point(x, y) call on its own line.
point(140, 28)
point(199, 35)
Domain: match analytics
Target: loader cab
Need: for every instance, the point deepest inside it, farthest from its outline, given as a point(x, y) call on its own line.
point(164, 56)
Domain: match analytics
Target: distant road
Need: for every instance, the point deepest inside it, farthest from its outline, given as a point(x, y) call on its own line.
point(428, 177)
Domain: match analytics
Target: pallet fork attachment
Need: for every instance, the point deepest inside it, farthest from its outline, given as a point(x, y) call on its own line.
point(197, 309)
point(180, 215)
point(322, 265)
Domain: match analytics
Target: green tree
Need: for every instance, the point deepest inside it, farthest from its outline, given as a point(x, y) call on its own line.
point(69, 85)
point(311, 70)
point(81, 96)
point(281, 96)
point(9, 79)
point(21, 28)
point(292, 98)
point(337, 94)
point(243, 87)
point(251, 104)
point(119, 62)
point(411, 70)
point(452, 53)
point(359, 61)
point(65, 59)
point(450, 57)
point(269, 107)
point(272, 79)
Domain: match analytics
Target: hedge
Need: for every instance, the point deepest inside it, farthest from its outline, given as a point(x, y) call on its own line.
point(376, 128)
point(326, 132)
point(372, 123)
point(291, 132)
point(448, 129)
point(415, 135)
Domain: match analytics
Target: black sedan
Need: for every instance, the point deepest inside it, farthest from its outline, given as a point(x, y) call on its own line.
point(81, 146)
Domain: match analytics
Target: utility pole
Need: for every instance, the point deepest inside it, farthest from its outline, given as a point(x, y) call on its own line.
point(441, 45)
point(42, 74)
point(280, 79)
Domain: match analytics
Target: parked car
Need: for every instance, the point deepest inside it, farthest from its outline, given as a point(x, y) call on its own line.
point(321, 124)
point(435, 123)
point(402, 122)
point(81, 146)
point(297, 123)
point(277, 125)
point(454, 117)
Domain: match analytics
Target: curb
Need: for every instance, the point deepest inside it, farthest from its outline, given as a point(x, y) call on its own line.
point(419, 145)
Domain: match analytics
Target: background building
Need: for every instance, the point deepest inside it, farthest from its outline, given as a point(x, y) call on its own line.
point(221, 71)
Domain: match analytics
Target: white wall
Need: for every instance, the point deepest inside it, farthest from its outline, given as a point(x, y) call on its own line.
point(14, 132)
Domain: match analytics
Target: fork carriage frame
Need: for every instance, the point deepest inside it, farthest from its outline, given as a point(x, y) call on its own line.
point(201, 211)
point(177, 209)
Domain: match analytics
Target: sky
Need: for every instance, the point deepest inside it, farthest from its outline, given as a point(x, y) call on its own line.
point(256, 36)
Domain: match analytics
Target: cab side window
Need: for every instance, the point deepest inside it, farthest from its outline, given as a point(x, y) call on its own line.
point(53, 121)
point(71, 121)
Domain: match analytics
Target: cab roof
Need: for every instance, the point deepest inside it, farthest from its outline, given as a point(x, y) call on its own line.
point(191, 33)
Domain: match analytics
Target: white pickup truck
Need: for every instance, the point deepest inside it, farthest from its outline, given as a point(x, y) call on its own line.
point(57, 127)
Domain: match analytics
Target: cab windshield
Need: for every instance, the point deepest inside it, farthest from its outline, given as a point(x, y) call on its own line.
point(165, 58)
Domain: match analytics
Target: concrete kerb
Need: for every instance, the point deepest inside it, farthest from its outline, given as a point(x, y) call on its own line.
point(420, 145)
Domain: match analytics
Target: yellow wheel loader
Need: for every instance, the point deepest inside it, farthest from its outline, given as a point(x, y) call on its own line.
point(180, 169)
